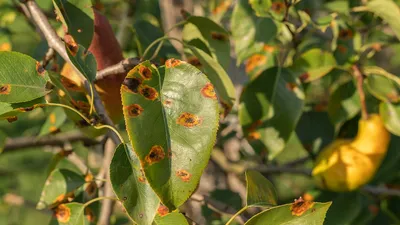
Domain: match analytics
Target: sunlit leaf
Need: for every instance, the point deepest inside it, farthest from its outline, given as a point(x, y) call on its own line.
point(260, 191)
point(53, 122)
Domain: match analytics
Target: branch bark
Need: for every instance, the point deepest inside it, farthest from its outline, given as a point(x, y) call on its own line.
point(122, 67)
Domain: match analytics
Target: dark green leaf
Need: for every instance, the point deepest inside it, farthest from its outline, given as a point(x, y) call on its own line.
point(3, 138)
point(84, 61)
point(283, 215)
point(345, 208)
point(260, 191)
point(77, 16)
point(390, 114)
point(270, 107)
point(21, 78)
point(9, 111)
point(383, 88)
point(181, 119)
point(130, 186)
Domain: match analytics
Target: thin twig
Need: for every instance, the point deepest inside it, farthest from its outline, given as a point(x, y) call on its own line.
point(50, 54)
point(20, 143)
point(55, 43)
point(381, 190)
point(360, 81)
point(122, 67)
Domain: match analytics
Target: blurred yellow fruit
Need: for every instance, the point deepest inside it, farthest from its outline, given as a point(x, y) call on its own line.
point(346, 165)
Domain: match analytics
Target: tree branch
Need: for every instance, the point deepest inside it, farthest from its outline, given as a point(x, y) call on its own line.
point(20, 143)
point(381, 190)
point(55, 43)
point(360, 81)
point(122, 67)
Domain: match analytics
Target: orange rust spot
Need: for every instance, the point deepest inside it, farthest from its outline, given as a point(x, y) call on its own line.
point(155, 155)
point(373, 209)
point(131, 85)
point(148, 92)
point(346, 34)
point(253, 136)
point(12, 119)
point(308, 197)
point(162, 210)
point(71, 44)
point(142, 179)
point(223, 6)
point(278, 7)
point(145, 72)
point(219, 36)
point(40, 69)
point(89, 214)
point(393, 96)
point(208, 91)
point(194, 61)
point(89, 177)
point(5, 47)
point(377, 47)
point(5, 89)
point(268, 48)
point(52, 118)
point(172, 62)
point(188, 120)
point(321, 107)
point(342, 49)
point(254, 125)
point(62, 213)
point(134, 110)
point(304, 77)
point(69, 84)
point(300, 206)
point(91, 188)
point(53, 129)
point(255, 61)
point(60, 198)
point(291, 86)
point(167, 103)
point(184, 175)
point(26, 109)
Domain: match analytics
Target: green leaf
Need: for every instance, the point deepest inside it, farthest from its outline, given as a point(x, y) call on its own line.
point(10, 111)
point(390, 114)
point(344, 104)
point(77, 16)
point(218, 77)
point(250, 33)
point(260, 191)
point(314, 64)
point(56, 118)
point(71, 214)
point(59, 185)
point(181, 120)
point(130, 186)
point(21, 78)
point(173, 218)
point(283, 215)
point(213, 36)
point(261, 7)
point(84, 61)
point(218, 9)
point(3, 138)
point(345, 208)
point(269, 109)
point(383, 88)
point(388, 10)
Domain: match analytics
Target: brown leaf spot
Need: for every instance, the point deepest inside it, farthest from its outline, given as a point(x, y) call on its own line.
point(219, 36)
point(5, 89)
point(12, 119)
point(304, 77)
point(52, 118)
point(142, 179)
point(145, 72)
point(208, 91)
point(26, 109)
point(81, 105)
point(291, 86)
point(194, 61)
point(89, 214)
point(300, 206)
point(40, 69)
point(167, 103)
point(346, 34)
point(53, 129)
point(373, 209)
point(89, 177)
point(162, 210)
point(342, 49)
point(268, 48)
point(131, 84)
point(155, 155)
point(377, 47)
point(5, 47)
point(148, 92)
point(278, 7)
point(134, 110)
point(223, 6)
point(255, 61)
point(321, 107)
point(172, 63)
point(62, 213)
point(308, 197)
point(254, 125)
point(91, 188)
point(71, 44)
point(188, 120)
point(253, 136)
point(184, 175)
point(69, 84)
point(393, 96)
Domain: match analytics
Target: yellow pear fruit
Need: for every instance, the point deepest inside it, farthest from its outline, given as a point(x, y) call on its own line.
point(346, 165)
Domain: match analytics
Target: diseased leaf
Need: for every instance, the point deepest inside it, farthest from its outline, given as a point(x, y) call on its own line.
point(383, 88)
point(11, 111)
point(84, 61)
point(131, 187)
point(71, 214)
point(173, 218)
point(218, 77)
point(60, 185)
point(53, 122)
point(311, 213)
point(181, 119)
point(260, 191)
point(77, 16)
point(250, 33)
point(219, 9)
point(270, 107)
point(209, 34)
point(22, 79)
point(390, 114)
